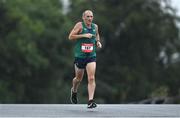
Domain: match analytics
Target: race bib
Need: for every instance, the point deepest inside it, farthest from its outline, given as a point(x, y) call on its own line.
point(87, 47)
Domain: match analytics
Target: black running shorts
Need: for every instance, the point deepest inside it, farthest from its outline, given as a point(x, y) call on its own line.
point(82, 62)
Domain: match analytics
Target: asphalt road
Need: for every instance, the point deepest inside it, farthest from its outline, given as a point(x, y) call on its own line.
point(80, 110)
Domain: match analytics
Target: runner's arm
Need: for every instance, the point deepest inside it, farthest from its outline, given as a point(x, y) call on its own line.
point(74, 34)
point(97, 34)
point(98, 38)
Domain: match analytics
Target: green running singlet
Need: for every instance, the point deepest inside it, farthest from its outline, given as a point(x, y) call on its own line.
point(86, 47)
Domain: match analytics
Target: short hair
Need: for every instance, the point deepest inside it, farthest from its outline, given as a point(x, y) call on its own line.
point(85, 12)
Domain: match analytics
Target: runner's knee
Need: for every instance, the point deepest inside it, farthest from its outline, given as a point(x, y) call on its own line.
point(91, 78)
point(78, 80)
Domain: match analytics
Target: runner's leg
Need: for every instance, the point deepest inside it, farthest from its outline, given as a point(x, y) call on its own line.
point(91, 68)
point(78, 78)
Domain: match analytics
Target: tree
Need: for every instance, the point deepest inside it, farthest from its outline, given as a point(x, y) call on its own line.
point(33, 60)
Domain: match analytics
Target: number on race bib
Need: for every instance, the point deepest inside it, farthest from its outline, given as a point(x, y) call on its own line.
point(86, 47)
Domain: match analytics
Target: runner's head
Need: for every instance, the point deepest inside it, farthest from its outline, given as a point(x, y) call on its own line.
point(87, 17)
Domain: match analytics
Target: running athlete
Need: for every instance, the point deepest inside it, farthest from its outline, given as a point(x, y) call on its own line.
point(86, 37)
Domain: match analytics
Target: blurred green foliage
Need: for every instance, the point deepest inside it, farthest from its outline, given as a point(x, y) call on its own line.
point(36, 57)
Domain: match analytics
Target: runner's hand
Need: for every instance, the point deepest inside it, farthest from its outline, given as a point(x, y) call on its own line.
point(99, 45)
point(88, 35)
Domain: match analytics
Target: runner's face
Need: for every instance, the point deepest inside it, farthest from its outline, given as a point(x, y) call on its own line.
point(88, 17)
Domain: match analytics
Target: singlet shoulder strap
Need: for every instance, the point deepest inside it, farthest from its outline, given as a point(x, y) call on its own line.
point(93, 26)
point(83, 25)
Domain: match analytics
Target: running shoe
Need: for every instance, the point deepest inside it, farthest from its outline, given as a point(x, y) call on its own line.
point(73, 97)
point(91, 104)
